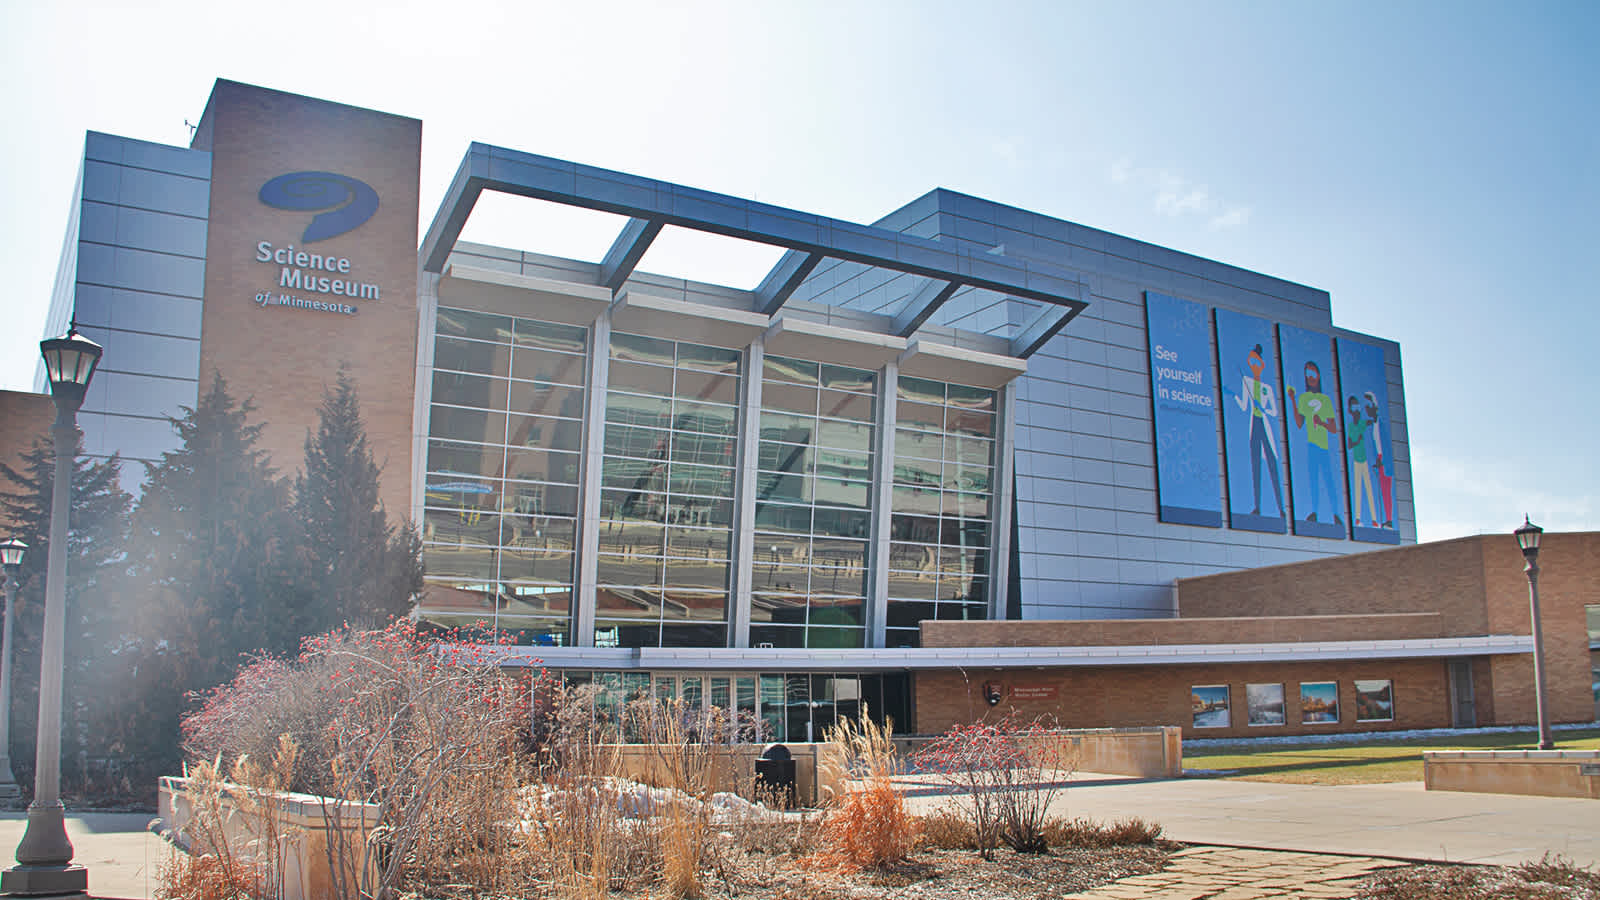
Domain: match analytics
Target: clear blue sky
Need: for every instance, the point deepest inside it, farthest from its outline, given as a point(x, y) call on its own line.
point(1435, 166)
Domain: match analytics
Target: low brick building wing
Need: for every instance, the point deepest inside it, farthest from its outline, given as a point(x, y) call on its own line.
point(1426, 636)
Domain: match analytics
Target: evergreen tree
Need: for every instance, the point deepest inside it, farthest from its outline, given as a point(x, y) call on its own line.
point(357, 566)
point(211, 561)
point(95, 622)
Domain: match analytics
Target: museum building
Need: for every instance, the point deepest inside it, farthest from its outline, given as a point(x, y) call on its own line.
point(966, 451)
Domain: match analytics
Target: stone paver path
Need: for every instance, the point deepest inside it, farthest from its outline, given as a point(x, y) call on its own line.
point(1226, 873)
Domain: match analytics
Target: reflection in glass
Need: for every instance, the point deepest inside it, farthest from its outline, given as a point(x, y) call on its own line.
point(474, 425)
point(459, 389)
point(471, 356)
point(667, 462)
point(500, 524)
point(941, 500)
point(470, 324)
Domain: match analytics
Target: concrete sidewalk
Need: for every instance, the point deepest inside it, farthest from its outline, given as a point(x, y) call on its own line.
point(118, 849)
point(1399, 821)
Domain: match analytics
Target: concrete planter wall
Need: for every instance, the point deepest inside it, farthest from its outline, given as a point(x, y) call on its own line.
point(303, 830)
point(1153, 752)
point(817, 769)
point(1546, 773)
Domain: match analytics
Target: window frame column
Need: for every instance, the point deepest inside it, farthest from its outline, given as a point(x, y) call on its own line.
point(744, 490)
point(882, 498)
point(594, 438)
point(1005, 454)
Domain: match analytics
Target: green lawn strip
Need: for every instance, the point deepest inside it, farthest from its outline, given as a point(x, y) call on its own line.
point(1364, 762)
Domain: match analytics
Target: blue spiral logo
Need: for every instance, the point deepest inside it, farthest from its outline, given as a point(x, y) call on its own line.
point(345, 202)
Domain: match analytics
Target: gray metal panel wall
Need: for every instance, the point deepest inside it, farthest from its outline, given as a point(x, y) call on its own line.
point(1090, 543)
point(135, 263)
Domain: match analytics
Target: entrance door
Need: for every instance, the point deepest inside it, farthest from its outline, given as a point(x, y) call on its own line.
point(1463, 708)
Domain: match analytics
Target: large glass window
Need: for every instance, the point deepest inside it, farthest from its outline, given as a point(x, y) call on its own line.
point(501, 495)
point(941, 504)
point(756, 707)
point(666, 499)
point(809, 571)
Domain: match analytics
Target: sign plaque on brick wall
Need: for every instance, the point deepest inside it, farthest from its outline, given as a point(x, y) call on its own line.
point(1034, 692)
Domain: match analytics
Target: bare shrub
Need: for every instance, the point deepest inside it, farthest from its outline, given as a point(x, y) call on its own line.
point(425, 733)
point(1007, 772)
point(1090, 834)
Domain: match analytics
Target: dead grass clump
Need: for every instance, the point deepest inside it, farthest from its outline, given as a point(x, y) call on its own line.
point(1090, 834)
point(1548, 879)
point(769, 834)
point(204, 877)
point(869, 827)
point(1559, 872)
point(946, 829)
point(578, 838)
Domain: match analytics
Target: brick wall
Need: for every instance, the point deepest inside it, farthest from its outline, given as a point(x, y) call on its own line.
point(27, 417)
point(1479, 586)
point(281, 357)
point(1129, 696)
point(1444, 577)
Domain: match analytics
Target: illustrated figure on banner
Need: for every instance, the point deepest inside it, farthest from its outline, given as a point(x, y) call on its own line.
point(1363, 453)
point(1260, 401)
point(1385, 475)
point(1315, 412)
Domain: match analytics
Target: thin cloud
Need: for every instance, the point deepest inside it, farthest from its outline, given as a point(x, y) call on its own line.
point(1173, 195)
point(1233, 218)
point(1456, 497)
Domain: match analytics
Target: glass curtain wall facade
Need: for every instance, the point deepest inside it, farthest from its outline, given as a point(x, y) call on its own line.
point(501, 518)
point(756, 707)
point(501, 506)
point(666, 499)
point(942, 505)
point(813, 512)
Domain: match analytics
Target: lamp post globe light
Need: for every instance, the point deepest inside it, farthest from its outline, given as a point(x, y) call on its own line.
point(11, 551)
point(44, 858)
point(1528, 539)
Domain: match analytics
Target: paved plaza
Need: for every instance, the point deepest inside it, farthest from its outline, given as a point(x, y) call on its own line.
point(1254, 839)
point(121, 853)
point(1228, 873)
point(1399, 821)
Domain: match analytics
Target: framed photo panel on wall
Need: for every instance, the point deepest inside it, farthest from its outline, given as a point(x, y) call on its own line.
point(1375, 700)
point(1210, 704)
point(1265, 703)
point(1319, 703)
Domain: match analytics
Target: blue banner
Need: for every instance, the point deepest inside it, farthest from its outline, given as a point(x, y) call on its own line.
point(1367, 450)
point(1183, 393)
point(1315, 435)
point(1252, 422)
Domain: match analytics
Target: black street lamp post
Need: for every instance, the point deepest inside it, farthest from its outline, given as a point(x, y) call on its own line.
point(11, 558)
point(44, 858)
point(1528, 539)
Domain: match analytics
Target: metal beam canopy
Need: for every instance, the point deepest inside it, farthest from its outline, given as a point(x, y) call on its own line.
point(923, 303)
point(1028, 341)
point(540, 177)
point(626, 251)
point(790, 272)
